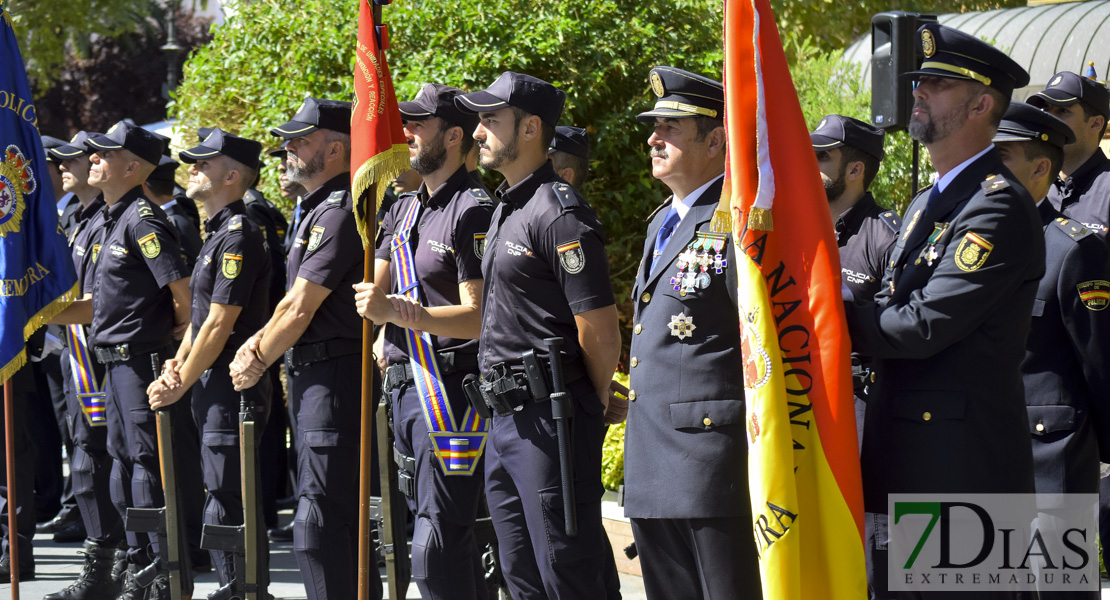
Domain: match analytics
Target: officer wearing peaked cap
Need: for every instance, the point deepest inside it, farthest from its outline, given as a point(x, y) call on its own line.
point(139, 304)
point(948, 327)
point(316, 328)
point(436, 238)
point(849, 152)
point(546, 273)
point(1063, 371)
point(692, 525)
point(1082, 192)
point(230, 301)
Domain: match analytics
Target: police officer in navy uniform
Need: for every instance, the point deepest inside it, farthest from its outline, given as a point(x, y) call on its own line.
point(90, 463)
point(692, 526)
point(230, 291)
point(849, 152)
point(140, 303)
point(317, 323)
point(1064, 373)
point(158, 188)
point(1082, 192)
point(948, 327)
point(570, 154)
point(442, 228)
point(545, 275)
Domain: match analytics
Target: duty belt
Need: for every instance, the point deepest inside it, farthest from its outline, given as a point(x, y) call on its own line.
point(124, 352)
point(307, 354)
point(400, 374)
point(507, 386)
point(406, 473)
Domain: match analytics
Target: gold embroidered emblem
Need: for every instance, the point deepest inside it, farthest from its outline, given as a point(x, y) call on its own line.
point(928, 43)
point(95, 252)
point(232, 265)
point(972, 252)
point(17, 181)
point(1095, 295)
point(656, 84)
point(150, 245)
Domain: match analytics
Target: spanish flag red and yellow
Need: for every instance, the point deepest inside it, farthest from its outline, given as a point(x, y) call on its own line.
point(804, 474)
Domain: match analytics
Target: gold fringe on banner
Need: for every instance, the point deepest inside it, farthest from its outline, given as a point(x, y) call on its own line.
point(760, 219)
point(48, 312)
point(378, 169)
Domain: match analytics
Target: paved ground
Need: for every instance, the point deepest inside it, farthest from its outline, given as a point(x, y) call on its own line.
point(59, 564)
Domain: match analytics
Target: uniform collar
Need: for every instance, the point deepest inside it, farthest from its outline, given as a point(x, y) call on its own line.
point(1048, 212)
point(520, 193)
point(341, 182)
point(116, 210)
point(851, 219)
point(446, 191)
point(950, 176)
point(1081, 179)
point(90, 210)
point(216, 221)
point(682, 207)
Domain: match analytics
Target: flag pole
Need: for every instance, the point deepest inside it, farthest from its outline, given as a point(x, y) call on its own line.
point(13, 532)
point(366, 567)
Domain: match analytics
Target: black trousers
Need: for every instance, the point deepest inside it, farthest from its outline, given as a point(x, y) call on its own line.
point(538, 558)
point(327, 402)
point(216, 414)
point(698, 559)
point(445, 560)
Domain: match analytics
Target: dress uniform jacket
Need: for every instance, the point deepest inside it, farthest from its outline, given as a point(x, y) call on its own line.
point(685, 449)
point(1085, 196)
point(1064, 374)
point(947, 330)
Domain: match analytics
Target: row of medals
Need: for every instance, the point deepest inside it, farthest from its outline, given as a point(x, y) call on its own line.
point(694, 262)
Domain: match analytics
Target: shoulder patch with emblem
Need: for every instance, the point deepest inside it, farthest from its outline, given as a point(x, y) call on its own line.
point(571, 257)
point(479, 245)
point(994, 183)
point(95, 252)
point(232, 265)
point(891, 220)
point(336, 197)
point(1095, 295)
point(567, 198)
point(235, 222)
point(972, 252)
point(1074, 229)
point(480, 196)
point(315, 237)
point(150, 245)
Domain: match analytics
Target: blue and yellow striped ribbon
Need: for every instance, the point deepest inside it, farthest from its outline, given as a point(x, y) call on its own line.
point(90, 392)
point(457, 449)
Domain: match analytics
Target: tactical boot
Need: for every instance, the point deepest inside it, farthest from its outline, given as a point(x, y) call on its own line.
point(95, 581)
point(119, 566)
point(160, 589)
point(131, 589)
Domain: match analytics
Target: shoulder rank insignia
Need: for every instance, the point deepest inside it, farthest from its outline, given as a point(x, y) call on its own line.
point(994, 183)
point(336, 197)
point(481, 196)
point(682, 326)
point(571, 257)
point(150, 245)
point(232, 265)
point(972, 252)
point(1095, 295)
point(1075, 230)
point(236, 222)
point(565, 194)
point(913, 221)
point(144, 208)
point(479, 245)
point(891, 220)
point(315, 237)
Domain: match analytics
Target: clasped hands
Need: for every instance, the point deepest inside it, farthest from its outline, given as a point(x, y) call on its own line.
point(373, 303)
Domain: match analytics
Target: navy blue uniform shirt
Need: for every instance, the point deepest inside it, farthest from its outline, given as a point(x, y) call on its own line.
point(84, 241)
point(545, 262)
point(448, 242)
point(139, 256)
point(1085, 196)
point(273, 224)
point(187, 232)
point(233, 269)
point(328, 251)
point(865, 234)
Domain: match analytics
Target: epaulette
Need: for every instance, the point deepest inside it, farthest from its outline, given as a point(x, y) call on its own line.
point(994, 183)
point(145, 211)
point(235, 222)
point(408, 194)
point(480, 196)
point(891, 220)
point(1075, 230)
point(337, 196)
point(665, 204)
point(567, 198)
point(923, 190)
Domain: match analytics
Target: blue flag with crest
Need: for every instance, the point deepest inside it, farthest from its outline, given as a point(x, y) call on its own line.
point(37, 279)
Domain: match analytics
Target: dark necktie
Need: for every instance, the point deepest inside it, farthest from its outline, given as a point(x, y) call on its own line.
point(664, 234)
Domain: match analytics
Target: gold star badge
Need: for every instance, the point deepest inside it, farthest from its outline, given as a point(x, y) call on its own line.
point(682, 326)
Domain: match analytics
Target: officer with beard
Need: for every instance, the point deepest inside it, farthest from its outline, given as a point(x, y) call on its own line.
point(435, 237)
